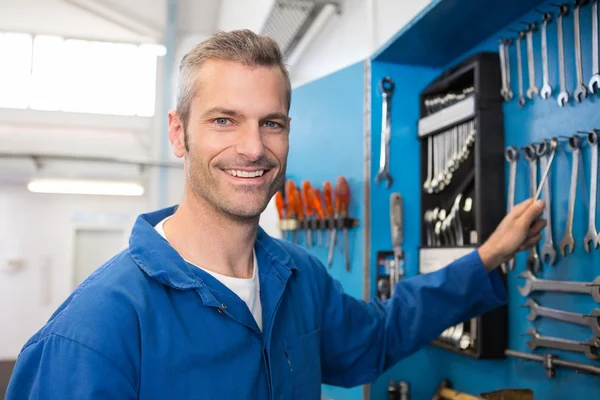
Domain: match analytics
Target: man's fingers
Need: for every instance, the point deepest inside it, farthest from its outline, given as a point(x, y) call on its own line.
point(521, 207)
point(536, 227)
point(530, 242)
point(531, 213)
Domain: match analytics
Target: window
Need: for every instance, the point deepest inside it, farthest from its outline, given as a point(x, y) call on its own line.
point(56, 74)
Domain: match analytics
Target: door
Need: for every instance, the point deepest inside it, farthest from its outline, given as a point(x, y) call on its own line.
point(93, 248)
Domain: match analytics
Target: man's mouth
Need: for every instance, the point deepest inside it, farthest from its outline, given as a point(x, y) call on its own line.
point(246, 174)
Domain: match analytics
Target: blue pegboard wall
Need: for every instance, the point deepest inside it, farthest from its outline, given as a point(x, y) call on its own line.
point(538, 120)
point(326, 141)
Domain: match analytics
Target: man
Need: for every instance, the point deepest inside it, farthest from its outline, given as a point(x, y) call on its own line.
point(204, 304)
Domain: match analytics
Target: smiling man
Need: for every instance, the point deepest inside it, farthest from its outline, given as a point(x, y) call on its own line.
point(204, 304)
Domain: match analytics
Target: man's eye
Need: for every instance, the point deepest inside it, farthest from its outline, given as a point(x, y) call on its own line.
point(271, 124)
point(222, 121)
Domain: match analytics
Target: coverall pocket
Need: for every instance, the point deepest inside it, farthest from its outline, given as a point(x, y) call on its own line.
point(304, 358)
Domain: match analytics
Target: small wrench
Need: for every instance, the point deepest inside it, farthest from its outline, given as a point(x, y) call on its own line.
point(533, 89)
point(592, 320)
point(595, 79)
point(502, 54)
point(563, 96)
point(546, 88)
point(512, 156)
point(427, 184)
point(548, 252)
point(590, 348)
point(567, 244)
point(533, 261)
point(535, 285)
point(507, 43)
point(520, 37)
point(581, 91)
point(591, 235)
point(396, 228)
point(387, 88)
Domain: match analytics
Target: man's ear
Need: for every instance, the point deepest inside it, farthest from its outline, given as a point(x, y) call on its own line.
point(176, 134)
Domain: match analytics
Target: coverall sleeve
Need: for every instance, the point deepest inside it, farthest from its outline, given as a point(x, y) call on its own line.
point(59, 368)
point(360, 340)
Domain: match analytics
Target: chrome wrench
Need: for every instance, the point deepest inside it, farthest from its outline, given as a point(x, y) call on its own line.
point(581, 91)
point(507, 43)
point(546, 88)
point(533, 261)
point(563, 96)
point(595, 79)
point(512, 156)
point(592, 320)
point(387, 88)
point(592, 234)
point(396, 227)
point(548, 252)
point(567, 244)
point(520, 36)
point(536, 285)
point(427, 184)
point(502, 54)
point(533, 89)
point(590, 348)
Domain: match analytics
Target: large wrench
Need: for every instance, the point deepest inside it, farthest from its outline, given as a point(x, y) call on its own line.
point(548, 252)
point(563, 96)
point(546, 88)
point(581, 91)
point(592, 235)
point(387, 88)
point(520, 36)
point(592, 320)
point(533, 89)
point(536, 285)
point(512, 156)
point(533, 261)
point(590, 348)
point(567, 244)
point(506, 93)
point(595, 79)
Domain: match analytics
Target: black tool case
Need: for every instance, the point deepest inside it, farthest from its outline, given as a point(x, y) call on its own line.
point(465, 98)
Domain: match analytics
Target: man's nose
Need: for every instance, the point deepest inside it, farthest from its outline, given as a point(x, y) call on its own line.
point(250, 142)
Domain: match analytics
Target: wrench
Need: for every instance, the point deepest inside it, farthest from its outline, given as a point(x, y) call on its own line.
point(520, 37)
point(563, 96)
point(427, 184)
point(397, 232)
point(592, 320)
point(592, 235)
point(548, 252)
point(533, 89)
point(567, 244)
point(502, 54)
point(512, 156)
point(546, 88)
point(595, 79)
point(507, 43)
point(581, 91)
point(535, 285)
point(590, 348)
point(387, 88)
point(533, 261)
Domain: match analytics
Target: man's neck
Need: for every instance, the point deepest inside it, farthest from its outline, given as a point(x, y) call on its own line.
point(207, 238)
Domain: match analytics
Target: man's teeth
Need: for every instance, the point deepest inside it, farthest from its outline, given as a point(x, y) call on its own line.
point(245, 174)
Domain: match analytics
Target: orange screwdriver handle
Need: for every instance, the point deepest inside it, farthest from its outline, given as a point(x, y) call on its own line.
point(307, 198)
point(279, 203)
point(298, 205)
point(316, 198)
point(328, 198)
point(342, 194)
point(290, 190)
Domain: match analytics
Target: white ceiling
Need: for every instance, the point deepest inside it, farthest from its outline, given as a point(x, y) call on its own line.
point(62, 17)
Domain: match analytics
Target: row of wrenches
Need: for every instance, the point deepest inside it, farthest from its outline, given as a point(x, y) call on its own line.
point(544, 153)
point(581, 91)
point(446, 151)
point(445, 228)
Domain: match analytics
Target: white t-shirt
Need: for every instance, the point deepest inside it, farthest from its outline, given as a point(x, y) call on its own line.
point(247, 289)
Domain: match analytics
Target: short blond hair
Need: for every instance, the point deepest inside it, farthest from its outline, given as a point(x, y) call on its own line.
point(242, 46)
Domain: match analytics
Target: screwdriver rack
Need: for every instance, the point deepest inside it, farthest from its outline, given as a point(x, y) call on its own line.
point(461, 137)
point(291, 224)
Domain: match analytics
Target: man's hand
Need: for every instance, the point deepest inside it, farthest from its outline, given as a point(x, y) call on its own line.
point(518, 231)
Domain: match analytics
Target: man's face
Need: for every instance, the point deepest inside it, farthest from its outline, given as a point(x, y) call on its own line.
point(237, 136)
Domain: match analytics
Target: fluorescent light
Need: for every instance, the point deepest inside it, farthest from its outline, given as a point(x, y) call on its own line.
point(95, 187)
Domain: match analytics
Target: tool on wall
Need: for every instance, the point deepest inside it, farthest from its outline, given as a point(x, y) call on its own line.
point(591, 238)
point(533, 260)
point(342, 200)
point(590, 348)
point(546, 91)
point(567, 244)
point(308, 210)
point(512, 157)
point(320, 214)
point(548, 254)
point(387, 89)
point(520, 36)
point(533, 89)
point(592, 320)
point(581, 90)
point(396, 228)
point(445, 392)
point(594, 84)
point(533, 284)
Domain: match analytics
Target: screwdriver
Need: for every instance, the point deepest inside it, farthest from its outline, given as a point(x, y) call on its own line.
point(342, 200)
point(318, 206)
point(280, 206)
point(328, 208)
point(290, 188)
point(299, 210)
point(308, 207)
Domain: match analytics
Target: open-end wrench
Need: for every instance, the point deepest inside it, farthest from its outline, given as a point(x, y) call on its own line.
point(548, 252)
point(533, 261)
point(595, 79)
point(427, 184)
point(581, 91)
point(542, 285)
point(546, 91)
point(520, 37)
point(592, 320)
point(567, 244)
point(507, 43)
point(592, 235)
point(590, 348)
point(533, 89)
point(387, 88)
point(512, 156)
point(502, 54)
point(563, 96)
point(397, 233)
